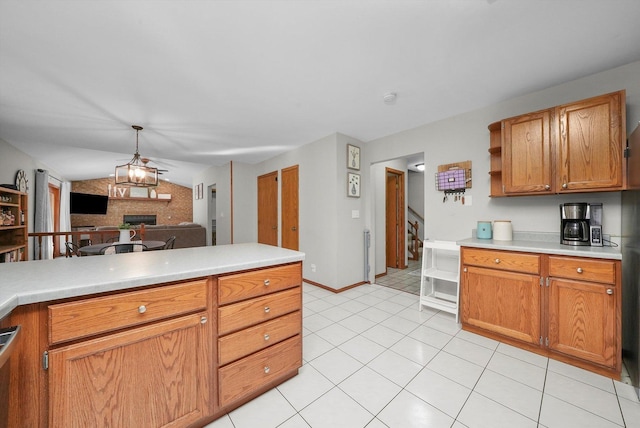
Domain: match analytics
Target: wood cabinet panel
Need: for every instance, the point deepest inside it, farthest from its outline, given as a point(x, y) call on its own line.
point(244, 314)
point(244, 342)
point(603, 271)
point(241, 286)
point(151, 376)
point(582, 321)
point(506, 303)
point(240, 379)
point(516, 262)
point(83, 318)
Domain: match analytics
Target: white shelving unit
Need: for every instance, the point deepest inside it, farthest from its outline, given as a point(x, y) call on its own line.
point(433, 268)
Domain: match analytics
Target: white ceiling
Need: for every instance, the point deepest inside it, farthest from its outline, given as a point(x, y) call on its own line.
point(215, 81)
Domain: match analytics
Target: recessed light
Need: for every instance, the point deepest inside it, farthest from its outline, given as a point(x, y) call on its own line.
point(420, 167)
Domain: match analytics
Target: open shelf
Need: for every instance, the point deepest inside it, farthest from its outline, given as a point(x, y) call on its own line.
point(430, 294)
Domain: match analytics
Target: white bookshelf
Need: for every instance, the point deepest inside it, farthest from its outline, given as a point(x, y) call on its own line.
point(440, 262)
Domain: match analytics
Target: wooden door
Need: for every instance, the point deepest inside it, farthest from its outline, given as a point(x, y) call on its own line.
point(268, 208)
point(527, 154)
point(506, 303)
point(582, 320)
point(395, 223)
point(290, 227)
point(591, 143)
point(152, 376)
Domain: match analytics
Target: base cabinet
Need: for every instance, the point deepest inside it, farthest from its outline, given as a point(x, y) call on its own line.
point(569, 311)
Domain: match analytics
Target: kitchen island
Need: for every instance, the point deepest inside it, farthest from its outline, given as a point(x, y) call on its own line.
point(151, 338)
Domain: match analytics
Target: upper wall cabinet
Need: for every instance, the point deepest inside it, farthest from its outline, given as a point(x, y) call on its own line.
point(572, 148)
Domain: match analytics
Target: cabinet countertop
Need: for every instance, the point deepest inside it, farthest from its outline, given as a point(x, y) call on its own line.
point(543, 246)
point(43, 280)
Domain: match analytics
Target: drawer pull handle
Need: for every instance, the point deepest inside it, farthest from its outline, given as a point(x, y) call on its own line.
point(267, 309)
point(564, 185)
point(609, 291)
point(267, 369)
point(203, 320)
point(266, 337)
point(497, 261)
point(142, 309)
point(266, 282)
point(547, 187)
point(579, 270)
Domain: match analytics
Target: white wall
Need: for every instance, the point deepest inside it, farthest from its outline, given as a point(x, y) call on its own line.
point(465, 137)
point(245, 199)
point(221, 177)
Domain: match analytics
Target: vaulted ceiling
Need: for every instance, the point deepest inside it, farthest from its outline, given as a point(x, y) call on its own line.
point(215, 81)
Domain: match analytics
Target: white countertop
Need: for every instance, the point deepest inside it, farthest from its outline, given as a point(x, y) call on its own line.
point(545, 247)
point(43, 280)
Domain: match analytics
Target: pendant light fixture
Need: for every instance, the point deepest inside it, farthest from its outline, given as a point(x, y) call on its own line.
point(136, 172)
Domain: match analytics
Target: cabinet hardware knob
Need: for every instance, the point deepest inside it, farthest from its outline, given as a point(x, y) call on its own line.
point(266, 282)
point(203, 320)
point(267, 369)
point(579, 270)
point(564, 185)
point(497, 261)
point(266, 337)
point(267, 309)
point(294, 228)
point(609, 291)
point(142, 309)
point(547, 187)
point(464, 270)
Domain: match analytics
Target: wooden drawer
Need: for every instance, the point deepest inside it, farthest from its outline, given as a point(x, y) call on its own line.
point(252, 339)
point(583, 269)
point(251, 312)
point(503, 260)
point(239, 379)
point(88, 317)
point(241, 286)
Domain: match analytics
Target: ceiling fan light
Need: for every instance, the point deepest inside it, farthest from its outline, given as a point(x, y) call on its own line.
point(136, 173)
point(420, 167)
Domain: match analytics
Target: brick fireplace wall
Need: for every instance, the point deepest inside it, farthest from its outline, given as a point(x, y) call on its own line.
point(179, 209)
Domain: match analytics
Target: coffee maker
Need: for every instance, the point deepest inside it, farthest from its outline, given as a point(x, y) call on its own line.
point(581, 224)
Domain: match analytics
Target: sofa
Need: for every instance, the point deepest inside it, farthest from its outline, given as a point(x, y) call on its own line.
point(187, 234)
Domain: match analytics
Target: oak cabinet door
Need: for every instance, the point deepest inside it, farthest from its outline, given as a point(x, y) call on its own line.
point(150, 376)
point(582, 320)
point(591, 143)
point(527, 154)
point(505, 303)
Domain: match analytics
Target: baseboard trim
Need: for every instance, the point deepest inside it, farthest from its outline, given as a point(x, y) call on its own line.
point(339, 290)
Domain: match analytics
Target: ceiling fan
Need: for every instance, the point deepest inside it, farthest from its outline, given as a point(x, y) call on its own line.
point(145, 161)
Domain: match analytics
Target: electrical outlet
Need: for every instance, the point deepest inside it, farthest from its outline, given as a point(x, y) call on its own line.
point(313, 268)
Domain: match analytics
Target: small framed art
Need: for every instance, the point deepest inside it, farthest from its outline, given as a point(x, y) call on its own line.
point(353, 185)
point(353, 157)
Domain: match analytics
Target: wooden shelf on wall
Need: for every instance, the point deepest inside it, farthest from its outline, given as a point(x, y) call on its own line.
point(141, 199)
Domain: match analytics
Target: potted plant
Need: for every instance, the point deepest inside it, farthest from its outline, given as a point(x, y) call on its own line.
point(125, 232)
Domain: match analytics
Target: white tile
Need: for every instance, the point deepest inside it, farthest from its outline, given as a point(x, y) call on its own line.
point(401, 325)
point(318, 305)
point(456, 369)
point(336, 299)
point(369, 299)
point(444, 322)
point(556, 413)
point(584, 396)
point(431, 337)
point(336, 313)
point(313, 346)
point(306, 387)
point(442, 393)
point(631, 412)
point(481, 412)
point(370, 389)
point(316, 322)
point(335, 409)
point(295, 421)
point(362, 349)
point(626, 391)
point(354, 306)
point(376, 424)
point(521, 354)
point(415, 350)
point(382, 335)
point(374, 314)
point(514, 395)
point(395, 367)
point(413, 313)
point(469, 351)
point(408, 411)
point(357, 323)
point(336, 365)
point(268, 410)
point(336, 334)
point(518, 370)
point(405, 299)
point(582, 375)
point(390, 307)
point(222, 422)
point(477, 339)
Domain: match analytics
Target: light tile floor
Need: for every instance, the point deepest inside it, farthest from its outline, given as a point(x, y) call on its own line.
point(372, 359)
point(403, 279)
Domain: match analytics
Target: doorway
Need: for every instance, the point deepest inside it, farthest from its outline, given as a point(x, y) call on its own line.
point(211, 191)
point(290, 229)
point(268, 208)
point(395, 218)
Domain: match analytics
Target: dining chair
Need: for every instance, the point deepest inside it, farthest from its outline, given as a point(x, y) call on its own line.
point(133, 247)
point(72, 249)
point(170, 243)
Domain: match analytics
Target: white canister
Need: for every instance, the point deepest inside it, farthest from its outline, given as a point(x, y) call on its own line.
point(502, 230)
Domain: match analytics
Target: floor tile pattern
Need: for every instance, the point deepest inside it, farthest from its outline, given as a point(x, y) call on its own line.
point(372, 359)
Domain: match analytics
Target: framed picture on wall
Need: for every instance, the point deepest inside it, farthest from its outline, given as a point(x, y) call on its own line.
point(353, 157)
point(353, 185)
point(198, 191)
